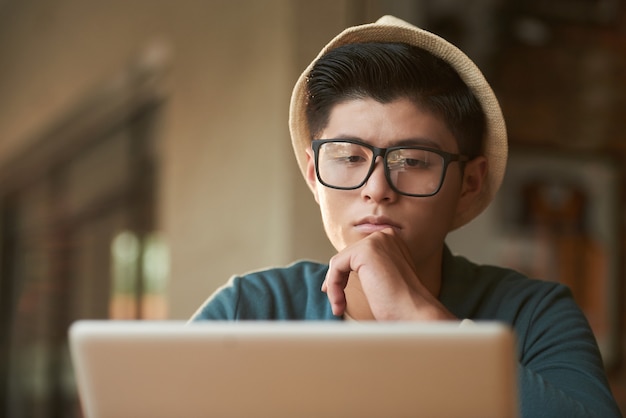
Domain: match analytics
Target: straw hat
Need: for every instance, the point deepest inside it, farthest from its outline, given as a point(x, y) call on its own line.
point(392, 29)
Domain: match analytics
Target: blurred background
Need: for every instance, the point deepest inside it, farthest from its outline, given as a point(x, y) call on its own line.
point(145, 158)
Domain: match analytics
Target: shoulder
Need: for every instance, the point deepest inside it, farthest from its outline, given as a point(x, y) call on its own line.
point(533, 307)
point(492, 292)
point(290, 292)
point(460, 272)
point(302, 268)
point(298, 274)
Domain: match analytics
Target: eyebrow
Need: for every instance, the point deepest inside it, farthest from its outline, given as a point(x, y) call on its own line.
point(408, 142)
point(421, 142)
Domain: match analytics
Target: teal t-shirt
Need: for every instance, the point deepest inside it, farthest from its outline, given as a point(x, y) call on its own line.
point(560, 368)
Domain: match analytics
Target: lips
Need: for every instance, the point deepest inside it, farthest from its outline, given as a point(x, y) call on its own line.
point(371, 224)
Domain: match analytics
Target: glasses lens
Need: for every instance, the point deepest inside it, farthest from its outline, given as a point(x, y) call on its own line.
point(343, 164)
point(415, 171)
point(411, 171)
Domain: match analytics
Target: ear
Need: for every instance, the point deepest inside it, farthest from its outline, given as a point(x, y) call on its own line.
point(474, 176)
point(310, 176)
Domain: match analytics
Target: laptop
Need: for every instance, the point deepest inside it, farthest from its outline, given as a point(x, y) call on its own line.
point(294, 369)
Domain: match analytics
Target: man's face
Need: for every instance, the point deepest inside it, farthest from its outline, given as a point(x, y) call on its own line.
point(350, 215)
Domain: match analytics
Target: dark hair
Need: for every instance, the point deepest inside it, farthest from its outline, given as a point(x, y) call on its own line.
point(389, 71)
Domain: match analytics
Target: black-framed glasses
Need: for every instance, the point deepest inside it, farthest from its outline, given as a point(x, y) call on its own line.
point(347, 164)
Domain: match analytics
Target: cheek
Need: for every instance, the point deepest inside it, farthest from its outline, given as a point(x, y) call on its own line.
point(446, 207)
point(334, 216)
point(431, 222)
point(434, 216)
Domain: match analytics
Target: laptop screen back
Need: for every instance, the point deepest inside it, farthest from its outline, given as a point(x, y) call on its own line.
point(294, 369)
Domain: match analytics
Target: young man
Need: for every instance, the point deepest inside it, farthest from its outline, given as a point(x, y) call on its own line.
point(401, 140)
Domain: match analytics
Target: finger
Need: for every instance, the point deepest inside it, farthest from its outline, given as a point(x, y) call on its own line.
point(334, 284)
point(401, 245)
point(336, 295)
point(338, 303)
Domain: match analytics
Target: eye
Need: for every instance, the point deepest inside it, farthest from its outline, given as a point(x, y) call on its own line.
point(354, 159)
point(414, 163)
point(346, 153)
point(409, 159)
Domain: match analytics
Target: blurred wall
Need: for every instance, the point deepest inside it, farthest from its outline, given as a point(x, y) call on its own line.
point(230, 193)
point(231, 197)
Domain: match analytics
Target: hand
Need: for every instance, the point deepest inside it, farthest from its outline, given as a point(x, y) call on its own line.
point(382, 264)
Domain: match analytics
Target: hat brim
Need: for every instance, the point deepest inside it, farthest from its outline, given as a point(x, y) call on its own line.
point(391, 29)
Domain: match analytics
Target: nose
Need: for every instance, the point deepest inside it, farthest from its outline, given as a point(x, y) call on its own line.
point(377, 187)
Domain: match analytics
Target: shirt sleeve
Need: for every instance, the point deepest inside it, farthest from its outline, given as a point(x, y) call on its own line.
point(560, 371)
